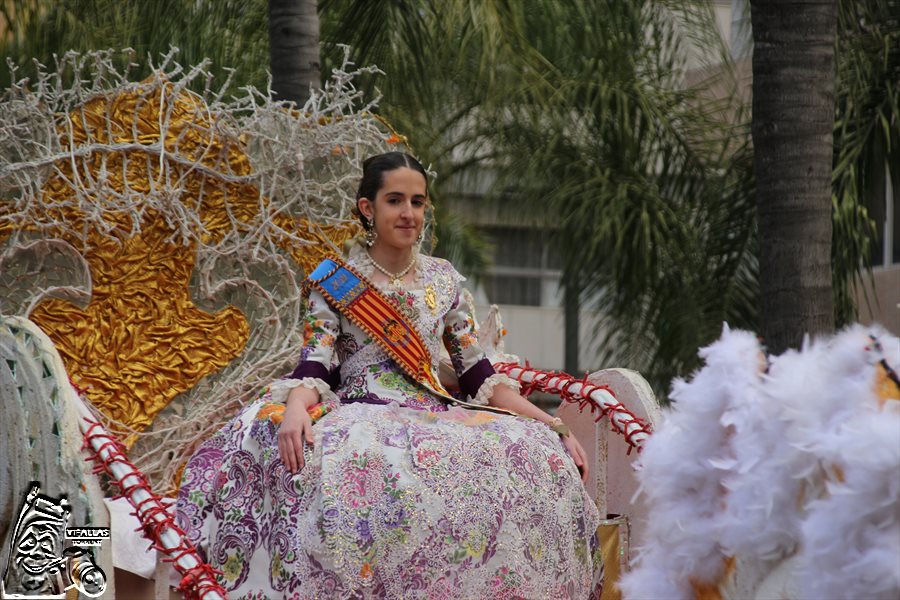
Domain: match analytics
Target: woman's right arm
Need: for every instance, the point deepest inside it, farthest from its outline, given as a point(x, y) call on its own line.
point(296, 427)
point(321, 327)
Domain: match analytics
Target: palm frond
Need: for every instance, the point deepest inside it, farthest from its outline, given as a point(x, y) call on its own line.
point(229, 33)
point(648, 184)
point(866, 139)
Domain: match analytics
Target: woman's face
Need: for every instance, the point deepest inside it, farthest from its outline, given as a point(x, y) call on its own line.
point(398, 208)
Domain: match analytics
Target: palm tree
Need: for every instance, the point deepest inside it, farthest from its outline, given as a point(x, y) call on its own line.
point(648, 186)
point(294, 48)
point(793, 118)
point(228, 32)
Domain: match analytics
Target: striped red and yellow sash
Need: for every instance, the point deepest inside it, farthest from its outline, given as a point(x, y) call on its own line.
point(364, 306)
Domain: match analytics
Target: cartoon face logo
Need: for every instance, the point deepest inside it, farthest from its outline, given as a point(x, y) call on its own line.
point(37, 556)
point(38, 565)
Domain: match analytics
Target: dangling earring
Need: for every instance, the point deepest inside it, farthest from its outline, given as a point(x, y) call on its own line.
point(371, 234)
point(421, 237)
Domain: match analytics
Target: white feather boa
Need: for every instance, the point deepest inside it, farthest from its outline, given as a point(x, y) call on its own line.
point(802, 461)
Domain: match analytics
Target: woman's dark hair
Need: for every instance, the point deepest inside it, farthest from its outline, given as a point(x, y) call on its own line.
point(374, 169)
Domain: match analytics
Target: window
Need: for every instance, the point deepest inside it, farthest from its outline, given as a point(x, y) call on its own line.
point(511, 289)
point(884, 209)
point(525, 270)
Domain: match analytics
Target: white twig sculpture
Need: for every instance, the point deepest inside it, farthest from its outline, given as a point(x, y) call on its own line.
point(242, 183)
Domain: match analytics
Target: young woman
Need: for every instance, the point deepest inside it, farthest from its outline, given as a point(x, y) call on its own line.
point(396, 492)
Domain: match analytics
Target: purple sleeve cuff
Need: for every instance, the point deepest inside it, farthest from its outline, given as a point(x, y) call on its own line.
point(310, 368)
point(471, 380)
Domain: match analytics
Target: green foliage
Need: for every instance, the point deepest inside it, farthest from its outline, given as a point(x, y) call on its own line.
point(579, 111)
point(866, 137)
point(232, 33)
point(649, 184)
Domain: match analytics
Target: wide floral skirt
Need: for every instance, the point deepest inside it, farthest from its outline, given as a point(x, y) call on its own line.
point(393, 502)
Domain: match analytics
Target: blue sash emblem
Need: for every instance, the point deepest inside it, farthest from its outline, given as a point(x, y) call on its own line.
point(343, 285)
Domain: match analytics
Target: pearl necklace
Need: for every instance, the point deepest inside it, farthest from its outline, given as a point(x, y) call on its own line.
point(395, 278)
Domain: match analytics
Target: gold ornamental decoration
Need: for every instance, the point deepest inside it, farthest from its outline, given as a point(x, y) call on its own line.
point(173, 198)
point(141, 341)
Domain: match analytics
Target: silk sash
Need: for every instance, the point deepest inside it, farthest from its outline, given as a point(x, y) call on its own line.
point(367, 308)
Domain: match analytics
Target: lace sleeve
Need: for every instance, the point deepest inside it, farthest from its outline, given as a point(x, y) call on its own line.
point(487, 387)
point(477, 377)
point(318, 360)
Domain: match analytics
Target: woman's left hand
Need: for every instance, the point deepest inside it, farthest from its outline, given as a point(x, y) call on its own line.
point(578, 455)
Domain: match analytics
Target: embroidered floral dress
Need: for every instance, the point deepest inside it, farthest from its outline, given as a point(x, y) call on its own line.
point(401, 496)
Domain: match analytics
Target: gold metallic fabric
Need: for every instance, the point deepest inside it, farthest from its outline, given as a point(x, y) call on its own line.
point(141, 341)
point(614, 534)
point(309, 256)
point(885, 386)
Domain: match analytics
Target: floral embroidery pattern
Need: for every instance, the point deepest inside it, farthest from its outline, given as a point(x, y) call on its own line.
point(401, 502)
point(400, 495)
point(406, 302)
point(320, 330)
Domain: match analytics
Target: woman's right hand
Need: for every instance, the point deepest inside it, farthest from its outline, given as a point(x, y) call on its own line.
point(578, 455)
point(296, 428)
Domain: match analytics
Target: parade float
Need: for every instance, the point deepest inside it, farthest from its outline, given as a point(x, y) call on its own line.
point(154, 235)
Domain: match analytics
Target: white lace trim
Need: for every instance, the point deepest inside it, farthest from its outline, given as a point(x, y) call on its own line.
point(280, 389)
point(487, 388)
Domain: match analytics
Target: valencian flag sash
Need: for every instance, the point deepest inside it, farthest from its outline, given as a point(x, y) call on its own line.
point(367, 308)
point(359, 301)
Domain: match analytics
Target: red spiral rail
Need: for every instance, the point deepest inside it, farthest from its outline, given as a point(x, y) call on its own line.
point(598, 399)
point(198, 579)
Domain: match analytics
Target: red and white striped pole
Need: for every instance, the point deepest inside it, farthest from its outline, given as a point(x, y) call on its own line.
point(198, 579)
point(597, 398)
